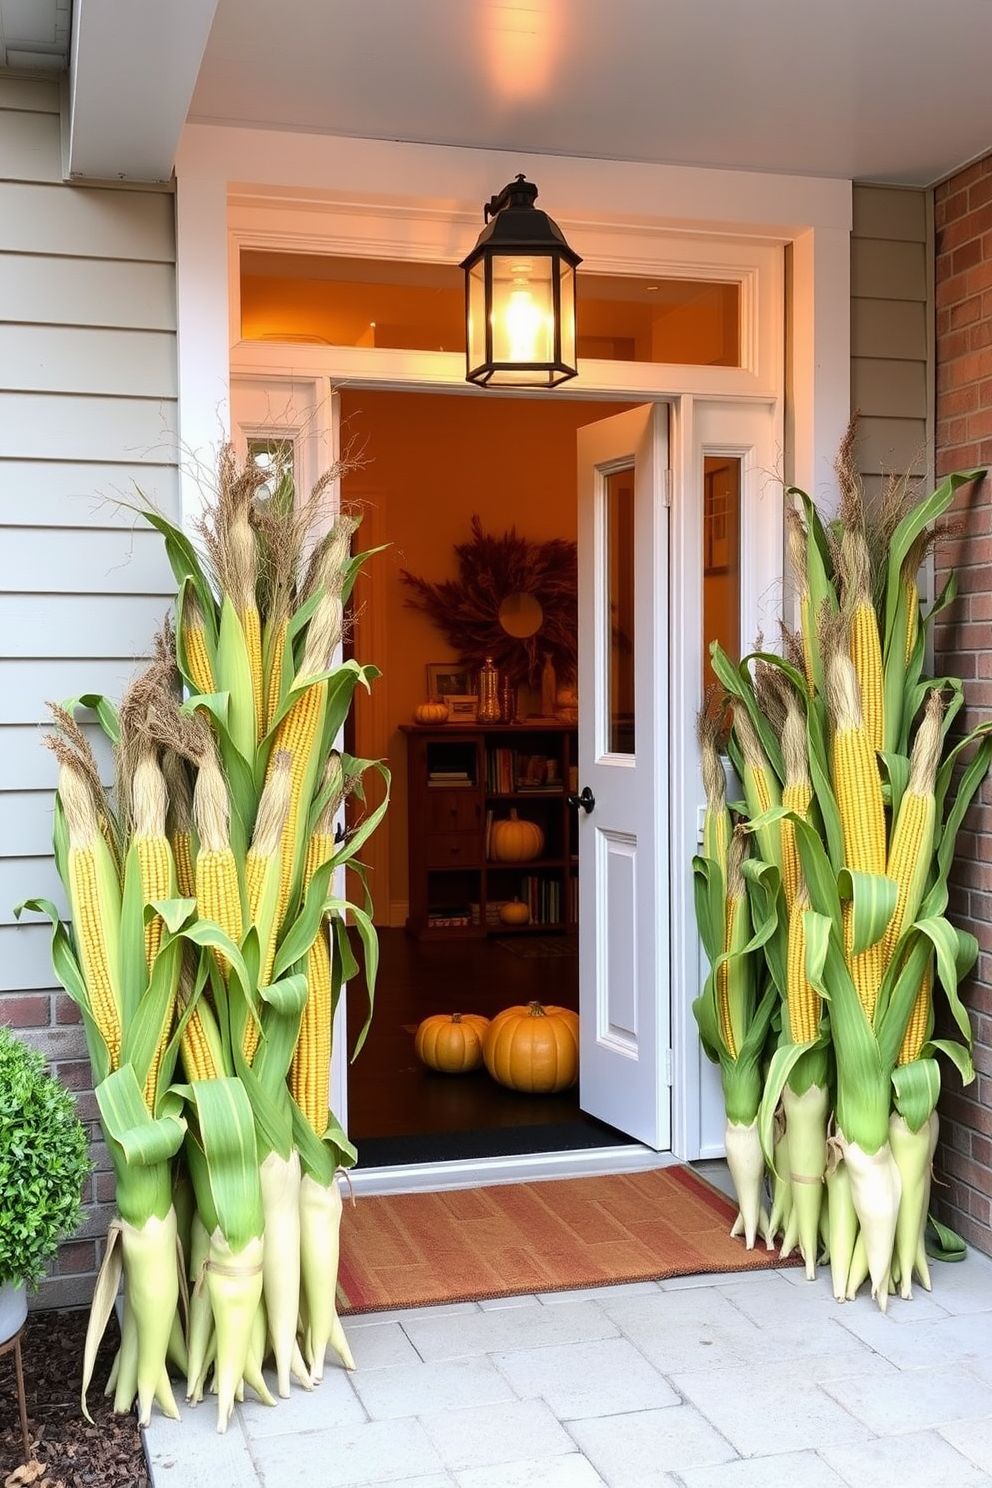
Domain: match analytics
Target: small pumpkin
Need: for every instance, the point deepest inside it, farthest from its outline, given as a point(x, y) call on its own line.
point(451, 1042)
point(514, 840)
point(514, 912)
point(533, 1048)
point(430, 713)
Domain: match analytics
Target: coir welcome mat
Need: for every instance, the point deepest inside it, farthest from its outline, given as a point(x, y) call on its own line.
point(415, 1250)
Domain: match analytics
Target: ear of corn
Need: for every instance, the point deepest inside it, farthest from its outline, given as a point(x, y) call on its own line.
point(865, 845)
point(224, 924)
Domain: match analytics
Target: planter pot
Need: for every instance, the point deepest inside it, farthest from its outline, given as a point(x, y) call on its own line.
point(13, 1309)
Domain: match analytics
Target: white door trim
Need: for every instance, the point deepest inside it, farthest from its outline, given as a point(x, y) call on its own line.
point(374, 195)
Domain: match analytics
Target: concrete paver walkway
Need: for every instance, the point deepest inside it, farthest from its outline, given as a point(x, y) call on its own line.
point(735, 1381)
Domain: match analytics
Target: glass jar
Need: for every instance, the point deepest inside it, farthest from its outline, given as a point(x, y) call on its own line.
point(488, 710)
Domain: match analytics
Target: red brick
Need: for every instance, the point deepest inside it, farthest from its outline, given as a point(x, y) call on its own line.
point(967, 312)
point(26, 1009)
point(969, 176)
point(980, 192)
point(75, 1074)
point(958, 400)
point(77, 1257)
point(954, 344)
point(953, 203)
point(66, 1010)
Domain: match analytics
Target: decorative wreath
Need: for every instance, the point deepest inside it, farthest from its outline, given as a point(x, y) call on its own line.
point(491, 569)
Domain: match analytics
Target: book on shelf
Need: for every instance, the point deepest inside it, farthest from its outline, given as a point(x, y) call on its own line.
point(447, 921)
point(462, 783)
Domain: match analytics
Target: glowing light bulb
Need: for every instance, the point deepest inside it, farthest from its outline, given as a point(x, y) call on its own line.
point(527, 325)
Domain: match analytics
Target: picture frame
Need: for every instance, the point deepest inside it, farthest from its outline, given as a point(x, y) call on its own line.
point(461, 707)
point(447, 679)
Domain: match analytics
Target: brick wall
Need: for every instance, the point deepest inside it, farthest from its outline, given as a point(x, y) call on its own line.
point(963, 303)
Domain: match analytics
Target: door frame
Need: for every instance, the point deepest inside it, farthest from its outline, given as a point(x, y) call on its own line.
point(785, 240)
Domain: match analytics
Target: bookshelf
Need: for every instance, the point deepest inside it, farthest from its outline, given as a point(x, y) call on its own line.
point(461, 778)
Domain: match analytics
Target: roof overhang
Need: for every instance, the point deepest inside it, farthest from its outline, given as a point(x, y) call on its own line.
point(132, 69)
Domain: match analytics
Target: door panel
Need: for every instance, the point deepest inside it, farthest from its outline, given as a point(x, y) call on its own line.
point(623, 840)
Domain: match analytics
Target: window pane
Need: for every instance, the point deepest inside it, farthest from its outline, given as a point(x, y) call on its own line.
point(721, 558)
point(339, 301)
point(620, 592)
point(275, 458)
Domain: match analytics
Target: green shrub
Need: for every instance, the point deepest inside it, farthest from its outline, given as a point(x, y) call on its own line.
point(44, 1162)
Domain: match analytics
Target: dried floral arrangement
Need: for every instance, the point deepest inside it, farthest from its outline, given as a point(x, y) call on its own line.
point(491, 569)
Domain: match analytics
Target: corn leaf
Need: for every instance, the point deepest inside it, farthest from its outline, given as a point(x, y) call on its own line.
point(370, 947)
point(873, 903)
point(233, 676)
point(959, 1056)
point(144, 1140)
point(301, 934)
point(784, 1060)
point(707, 881)
point(227, 1134)
point(182, 556)
point(917, 1088)
point(104, 709)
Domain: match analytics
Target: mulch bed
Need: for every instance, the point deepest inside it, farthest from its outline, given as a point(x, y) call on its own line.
point(69, 1452)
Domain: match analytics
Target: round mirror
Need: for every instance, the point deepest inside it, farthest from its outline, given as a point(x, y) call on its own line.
point(521, 615)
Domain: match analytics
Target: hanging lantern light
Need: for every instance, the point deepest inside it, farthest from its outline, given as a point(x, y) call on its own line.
point(520, 296)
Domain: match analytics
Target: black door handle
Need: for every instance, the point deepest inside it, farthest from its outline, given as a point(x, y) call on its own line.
point(586, 800)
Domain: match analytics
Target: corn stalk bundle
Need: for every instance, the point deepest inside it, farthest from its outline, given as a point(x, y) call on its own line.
point(208, 943)
point(854, 789)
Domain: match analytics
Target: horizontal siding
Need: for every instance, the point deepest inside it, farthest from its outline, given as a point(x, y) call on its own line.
point(81, 359)
point(890, 353)
point(29, 878)
point(890, 328)
point(888, 215)
point(886, 388)
point(34, 766)
point(26, 823)
point(28, 683)
point(30, 146)
point(90, 562)
point(45, 426)
point(87, 626)
point(73, 495)
point(25, 955)
point(86, 292)
point(884, 270)
point(88, 413)
point(88, 221)
point(39, 95)
point(893, 445)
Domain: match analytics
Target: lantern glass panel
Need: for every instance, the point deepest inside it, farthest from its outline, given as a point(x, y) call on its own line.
point(477, 314)
point(523, 310)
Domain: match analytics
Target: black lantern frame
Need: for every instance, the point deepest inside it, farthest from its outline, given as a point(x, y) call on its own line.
point(520, 296)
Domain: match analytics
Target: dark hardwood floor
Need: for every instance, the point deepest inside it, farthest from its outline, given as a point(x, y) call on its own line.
point(399, 1111)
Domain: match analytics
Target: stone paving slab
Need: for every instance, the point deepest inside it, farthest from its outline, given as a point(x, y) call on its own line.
point(691, 1383)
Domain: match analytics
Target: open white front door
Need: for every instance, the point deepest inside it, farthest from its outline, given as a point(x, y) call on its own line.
point(624, 993)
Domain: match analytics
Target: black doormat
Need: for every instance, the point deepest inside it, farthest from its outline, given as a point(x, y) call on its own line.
point(541, 945)
point(500, 1141)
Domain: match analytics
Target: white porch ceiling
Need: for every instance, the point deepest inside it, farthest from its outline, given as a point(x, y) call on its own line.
point(891, 91)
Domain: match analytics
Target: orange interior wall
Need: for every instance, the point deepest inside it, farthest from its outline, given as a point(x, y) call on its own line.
point(429, 462)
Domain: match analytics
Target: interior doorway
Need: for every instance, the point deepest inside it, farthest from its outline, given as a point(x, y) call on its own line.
point(425, 465)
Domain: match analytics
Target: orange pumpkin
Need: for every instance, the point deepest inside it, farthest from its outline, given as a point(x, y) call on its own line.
point(514, 840)
point(431, 712)
point(451, 1042)
point(514, 913)
point(533, 1048)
